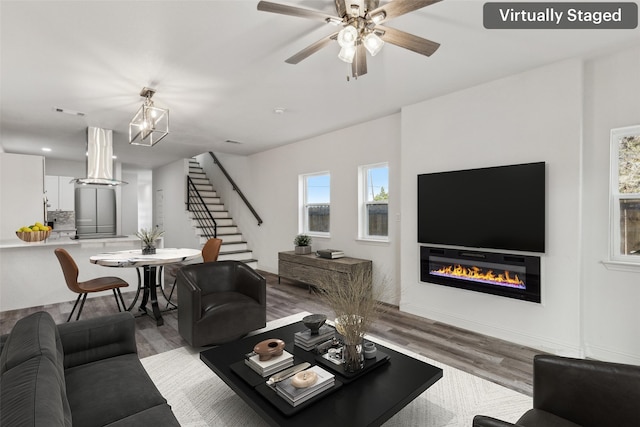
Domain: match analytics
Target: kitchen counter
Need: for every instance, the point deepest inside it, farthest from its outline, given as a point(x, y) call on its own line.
point(63, 241)
point(32, 276)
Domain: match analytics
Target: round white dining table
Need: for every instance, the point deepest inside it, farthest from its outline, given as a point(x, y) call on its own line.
point(149, 263)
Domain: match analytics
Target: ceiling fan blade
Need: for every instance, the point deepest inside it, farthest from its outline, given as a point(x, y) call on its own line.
point(408, 41)
point(400, 7)
point(267, 6)
point(310, 50)
point(341, 7)
point(359, 64)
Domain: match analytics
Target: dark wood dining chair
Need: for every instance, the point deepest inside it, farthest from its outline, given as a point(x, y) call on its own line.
point(70, 270)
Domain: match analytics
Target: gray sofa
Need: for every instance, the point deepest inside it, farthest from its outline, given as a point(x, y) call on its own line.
point(85, 373)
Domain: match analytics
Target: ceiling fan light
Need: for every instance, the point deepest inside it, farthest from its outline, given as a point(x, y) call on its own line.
point(373, 43)
point(347, 53)
point(347, 36)
point(378, 17)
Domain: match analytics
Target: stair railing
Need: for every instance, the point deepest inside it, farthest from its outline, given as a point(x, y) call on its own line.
point(201, 213)
point(235, 188)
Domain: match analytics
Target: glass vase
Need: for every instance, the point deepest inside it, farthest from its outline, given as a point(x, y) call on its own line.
point(353, 357)
point(148, 250)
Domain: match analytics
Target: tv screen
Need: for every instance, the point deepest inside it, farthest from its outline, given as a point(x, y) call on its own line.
point(499, 207)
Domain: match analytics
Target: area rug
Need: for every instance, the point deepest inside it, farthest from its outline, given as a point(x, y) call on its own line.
point(199, 398)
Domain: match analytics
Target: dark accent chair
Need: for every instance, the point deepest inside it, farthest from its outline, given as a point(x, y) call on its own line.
point(220, 302)
point(70, 271)
point(579, 393)
point(210, 252)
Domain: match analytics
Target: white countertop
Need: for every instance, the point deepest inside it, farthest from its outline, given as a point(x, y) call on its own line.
point(62, 241)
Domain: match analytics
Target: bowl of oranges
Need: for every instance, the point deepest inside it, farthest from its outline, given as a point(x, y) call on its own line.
point(34, 233)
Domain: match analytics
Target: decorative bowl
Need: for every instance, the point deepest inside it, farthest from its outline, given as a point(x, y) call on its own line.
point(314, 322)
point(269, 348)
point(33, 236)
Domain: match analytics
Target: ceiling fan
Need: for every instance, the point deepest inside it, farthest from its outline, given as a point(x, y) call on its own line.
point(362, 30)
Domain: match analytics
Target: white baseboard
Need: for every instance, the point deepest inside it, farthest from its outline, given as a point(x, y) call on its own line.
point(537, 342)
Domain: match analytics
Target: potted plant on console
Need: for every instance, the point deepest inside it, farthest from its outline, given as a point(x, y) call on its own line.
point(148, 238)
point(303, 244)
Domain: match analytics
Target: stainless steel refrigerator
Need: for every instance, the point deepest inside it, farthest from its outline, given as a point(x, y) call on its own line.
point(95, 212)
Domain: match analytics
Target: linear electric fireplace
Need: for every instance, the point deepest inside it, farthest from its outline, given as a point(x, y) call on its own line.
point(512, 276)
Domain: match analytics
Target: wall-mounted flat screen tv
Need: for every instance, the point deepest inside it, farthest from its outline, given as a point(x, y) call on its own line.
point(499, 207)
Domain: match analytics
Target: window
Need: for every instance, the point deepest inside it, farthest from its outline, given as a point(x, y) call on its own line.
point(625, 194)
point(315, 192)
point(374, 202)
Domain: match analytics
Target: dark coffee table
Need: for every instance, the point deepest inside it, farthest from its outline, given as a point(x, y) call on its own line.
point(368, 400)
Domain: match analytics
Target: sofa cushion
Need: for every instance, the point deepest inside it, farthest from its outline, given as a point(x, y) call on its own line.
point(225, 302)
point(109, 390)
point(160, 415)
point(33, 394)
point(539, 418)
point(32, 336)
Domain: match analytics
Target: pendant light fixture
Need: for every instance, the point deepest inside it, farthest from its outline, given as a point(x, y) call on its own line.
point(150, 124)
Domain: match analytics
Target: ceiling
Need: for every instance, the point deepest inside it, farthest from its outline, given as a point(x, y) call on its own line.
point(219, 67)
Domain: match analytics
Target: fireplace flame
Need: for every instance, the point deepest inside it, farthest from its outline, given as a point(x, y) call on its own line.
point(477, 274)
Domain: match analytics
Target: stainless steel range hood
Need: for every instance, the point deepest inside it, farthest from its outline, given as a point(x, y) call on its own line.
point(99, 158)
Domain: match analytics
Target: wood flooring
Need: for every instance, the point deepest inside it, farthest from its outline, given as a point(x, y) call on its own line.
point(499, 361)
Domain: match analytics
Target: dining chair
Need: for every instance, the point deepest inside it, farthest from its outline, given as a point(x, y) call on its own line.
point(210, 252)
point(99, 284)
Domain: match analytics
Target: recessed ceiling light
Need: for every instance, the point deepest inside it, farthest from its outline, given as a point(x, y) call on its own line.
point(46, 149)
point(231, 141)
point(279, 110)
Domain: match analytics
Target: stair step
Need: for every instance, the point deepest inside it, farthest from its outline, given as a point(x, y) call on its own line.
point(225, 230)
point(204, 187)
point(208, 193)
point(233, 246)
point(226, 238)
point(200, 181)
point(221, 222)
point(237, 255)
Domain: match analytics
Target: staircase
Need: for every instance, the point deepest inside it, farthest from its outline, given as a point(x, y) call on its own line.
point(233, 246)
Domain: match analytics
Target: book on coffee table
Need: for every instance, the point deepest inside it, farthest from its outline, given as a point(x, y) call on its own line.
point(271, 366)
point(295, 396)
point(308, 342)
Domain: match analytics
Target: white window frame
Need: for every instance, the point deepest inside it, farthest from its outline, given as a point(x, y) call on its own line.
point(615, 255)
point(303, 206)
point(363, 218)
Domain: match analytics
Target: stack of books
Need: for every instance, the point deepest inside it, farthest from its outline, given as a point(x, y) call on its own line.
point(308, 342)
point(330, 253)
point(296, 396)
point(269, 367)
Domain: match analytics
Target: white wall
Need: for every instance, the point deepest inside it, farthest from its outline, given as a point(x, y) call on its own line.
point(21, 192)
point(529, 117)
point(270, 182)
point(171, 181)
point(611, 298)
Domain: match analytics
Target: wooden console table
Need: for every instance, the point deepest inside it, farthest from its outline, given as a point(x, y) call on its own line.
point(311, 269)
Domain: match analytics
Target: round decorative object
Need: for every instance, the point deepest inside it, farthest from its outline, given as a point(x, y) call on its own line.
point(269, 348)
point(304, 379)
point(33, 236)
point(314, 322)
point(370, 350)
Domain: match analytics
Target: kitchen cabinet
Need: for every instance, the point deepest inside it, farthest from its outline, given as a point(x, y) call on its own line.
point(60, 193)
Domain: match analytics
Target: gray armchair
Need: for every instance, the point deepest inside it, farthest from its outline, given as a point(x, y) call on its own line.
point(220, 302)
point(579, 393)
